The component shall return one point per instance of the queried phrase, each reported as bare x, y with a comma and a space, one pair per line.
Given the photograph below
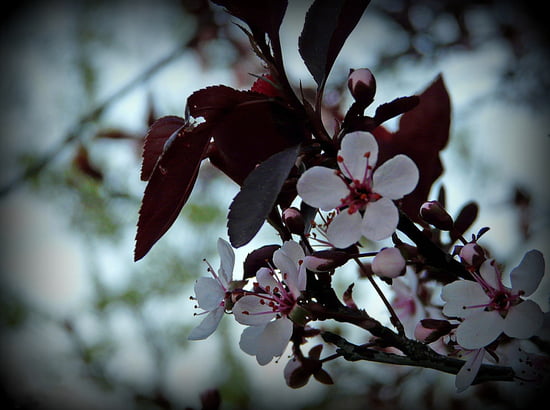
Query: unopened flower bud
434, 213
327, 260
472, 255
294, 221
388, 263
429, 330
362, 85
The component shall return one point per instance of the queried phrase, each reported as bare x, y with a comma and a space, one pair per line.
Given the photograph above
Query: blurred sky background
83, 326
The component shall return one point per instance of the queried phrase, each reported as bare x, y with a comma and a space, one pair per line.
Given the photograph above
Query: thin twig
394, 319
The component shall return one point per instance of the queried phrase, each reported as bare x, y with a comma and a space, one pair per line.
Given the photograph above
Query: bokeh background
83, 326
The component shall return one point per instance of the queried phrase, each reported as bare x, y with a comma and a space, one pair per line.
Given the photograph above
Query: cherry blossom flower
268, 311
211, 292
362, 195
489, 308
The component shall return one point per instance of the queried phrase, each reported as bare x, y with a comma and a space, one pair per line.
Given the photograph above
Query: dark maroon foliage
247, 127
423, 132
170, 184
261, 188
159, 133
328, 24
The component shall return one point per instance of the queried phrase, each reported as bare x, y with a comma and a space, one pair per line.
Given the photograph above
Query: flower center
276, 299
360, 190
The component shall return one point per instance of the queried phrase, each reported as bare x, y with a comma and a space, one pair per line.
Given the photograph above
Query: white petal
380, 220
285, 263
273, 340
396, 177
208, 325
468, 371
528, 274
345, 229
491, 274
301, 281
266, 279
523, 320
249, 311
353, 149
321, 188
460, 295
291, 249
249, 339
479, 330
227, 261
289, 259
209, 293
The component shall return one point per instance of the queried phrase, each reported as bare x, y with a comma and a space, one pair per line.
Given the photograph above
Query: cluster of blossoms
478, 313
268, 309
331, 195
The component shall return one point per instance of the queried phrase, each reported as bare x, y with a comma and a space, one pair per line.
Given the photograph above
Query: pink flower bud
362, 85
434, 213
389, 263
472, 255
294, 221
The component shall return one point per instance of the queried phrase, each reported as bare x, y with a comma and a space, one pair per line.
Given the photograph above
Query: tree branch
430, 359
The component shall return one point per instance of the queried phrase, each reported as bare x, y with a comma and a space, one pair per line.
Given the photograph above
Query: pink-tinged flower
268, 310
211, 292
362, 194
489, 308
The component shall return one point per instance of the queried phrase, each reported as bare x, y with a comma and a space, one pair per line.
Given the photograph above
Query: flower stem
394, 319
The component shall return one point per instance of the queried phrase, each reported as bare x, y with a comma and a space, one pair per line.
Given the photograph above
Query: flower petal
380, 220
396, 177
460, 296
266, 279
491, 274
249, 339
528, 274
249, 311
208, 325
288, 259
353, 149
523, 320
273, 340
468, 371
479, 330
321, 188
227, 262
209, 293
345, 229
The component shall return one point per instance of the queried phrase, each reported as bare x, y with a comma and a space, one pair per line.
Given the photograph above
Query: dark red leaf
254, 202
265, 19
464, 220
82, 162
160, 132
169, 187
258, 258
327, 26
394, 108
423, 133
247, 128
